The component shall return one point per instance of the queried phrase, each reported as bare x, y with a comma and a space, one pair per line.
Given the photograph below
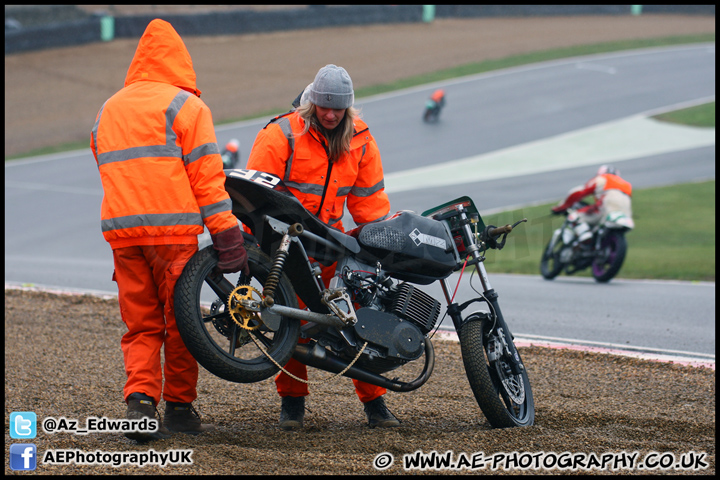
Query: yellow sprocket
237, 300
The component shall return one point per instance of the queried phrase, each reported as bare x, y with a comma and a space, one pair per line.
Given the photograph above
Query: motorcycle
231, 154
372, 319
432, 110
576, 246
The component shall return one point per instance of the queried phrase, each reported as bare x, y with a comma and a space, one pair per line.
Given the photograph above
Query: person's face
329, 118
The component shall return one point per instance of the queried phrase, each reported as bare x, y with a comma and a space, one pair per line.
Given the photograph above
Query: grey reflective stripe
151, 220
169, 149
95, 129
366, 192
310, 188
172, 112
212, 209
284, 124
333, 221
201, 151
140, 152
343, 191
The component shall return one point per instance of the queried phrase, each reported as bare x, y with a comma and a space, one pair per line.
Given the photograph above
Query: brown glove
232, 255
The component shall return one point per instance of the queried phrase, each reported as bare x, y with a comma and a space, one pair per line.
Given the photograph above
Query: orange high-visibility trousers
289, 387
146, 277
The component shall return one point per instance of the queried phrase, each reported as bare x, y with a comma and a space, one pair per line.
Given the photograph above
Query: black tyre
550, 264
610, 258
505, 399
428, 115
219, 343
431, 114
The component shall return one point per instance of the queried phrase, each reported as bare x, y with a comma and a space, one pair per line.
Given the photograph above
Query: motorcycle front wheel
216, 335
505, 399
610, 257
550, 264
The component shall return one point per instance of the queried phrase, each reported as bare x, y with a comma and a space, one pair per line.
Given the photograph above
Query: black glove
232, 255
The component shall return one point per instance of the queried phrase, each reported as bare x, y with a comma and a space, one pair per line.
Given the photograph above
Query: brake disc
512, 384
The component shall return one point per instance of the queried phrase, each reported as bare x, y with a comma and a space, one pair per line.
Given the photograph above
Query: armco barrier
240, 22
95, 29
52, 35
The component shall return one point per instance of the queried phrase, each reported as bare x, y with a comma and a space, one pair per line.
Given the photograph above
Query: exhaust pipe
318, 357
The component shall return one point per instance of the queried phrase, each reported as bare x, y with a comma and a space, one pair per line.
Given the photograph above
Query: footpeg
339, 302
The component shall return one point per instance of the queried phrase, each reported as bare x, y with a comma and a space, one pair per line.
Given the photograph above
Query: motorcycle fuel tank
409, 247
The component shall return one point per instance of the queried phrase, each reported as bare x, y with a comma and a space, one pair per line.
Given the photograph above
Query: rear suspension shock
273, 278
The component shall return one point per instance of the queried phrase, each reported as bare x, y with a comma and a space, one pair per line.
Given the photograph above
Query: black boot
292, 413
140, 405
378, 414
183, 418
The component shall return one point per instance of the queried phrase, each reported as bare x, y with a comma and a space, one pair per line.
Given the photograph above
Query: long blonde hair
338, 138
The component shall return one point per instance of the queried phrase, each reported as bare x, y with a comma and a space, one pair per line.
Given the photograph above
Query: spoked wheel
610, 257
505, 398
225, 337
550, 264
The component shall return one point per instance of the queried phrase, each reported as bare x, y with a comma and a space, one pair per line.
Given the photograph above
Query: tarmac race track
63, 356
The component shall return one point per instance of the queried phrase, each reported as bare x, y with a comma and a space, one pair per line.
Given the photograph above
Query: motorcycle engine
416, 306
393, 319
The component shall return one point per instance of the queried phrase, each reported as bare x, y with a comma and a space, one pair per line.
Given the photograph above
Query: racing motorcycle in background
230, 154
373, 318
433, 106
576, 246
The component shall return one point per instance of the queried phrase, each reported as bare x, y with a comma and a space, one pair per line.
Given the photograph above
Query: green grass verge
673, 239
463, 70
698, 116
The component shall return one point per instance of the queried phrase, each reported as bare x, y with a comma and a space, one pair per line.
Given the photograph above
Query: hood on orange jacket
161, 56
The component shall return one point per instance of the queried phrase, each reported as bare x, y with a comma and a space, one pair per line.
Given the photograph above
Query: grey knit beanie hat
332, 88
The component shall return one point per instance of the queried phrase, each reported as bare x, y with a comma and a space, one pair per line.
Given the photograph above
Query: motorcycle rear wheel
217, 342
491, 383
431, 114
550, 264
610, 258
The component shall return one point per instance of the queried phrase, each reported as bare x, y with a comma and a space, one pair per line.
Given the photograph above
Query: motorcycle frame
318, 357
315, 355
271, 231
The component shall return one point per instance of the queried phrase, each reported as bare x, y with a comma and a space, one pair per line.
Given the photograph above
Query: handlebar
489, 236
493, 231
496, 232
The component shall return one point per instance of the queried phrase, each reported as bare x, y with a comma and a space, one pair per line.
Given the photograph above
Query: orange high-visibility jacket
155, 146
323, 187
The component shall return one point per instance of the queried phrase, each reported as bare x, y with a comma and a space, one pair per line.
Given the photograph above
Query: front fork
499, 327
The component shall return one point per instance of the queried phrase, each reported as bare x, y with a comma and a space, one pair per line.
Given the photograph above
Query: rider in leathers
612, 194
326, 156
